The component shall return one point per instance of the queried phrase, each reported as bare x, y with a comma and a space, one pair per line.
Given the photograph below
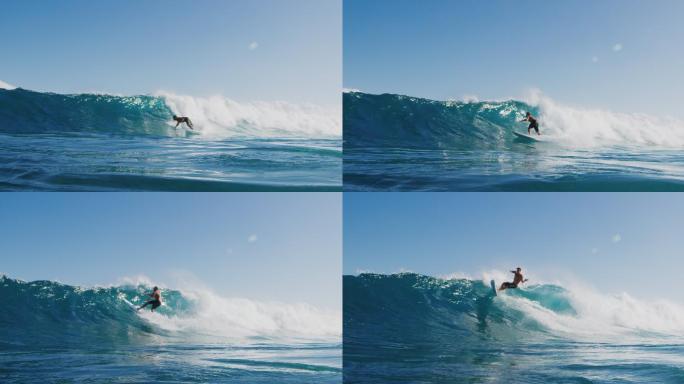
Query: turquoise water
414, 328
95, 335
399, 143
52, 142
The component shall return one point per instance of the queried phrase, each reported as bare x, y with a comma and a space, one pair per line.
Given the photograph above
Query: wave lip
389, 120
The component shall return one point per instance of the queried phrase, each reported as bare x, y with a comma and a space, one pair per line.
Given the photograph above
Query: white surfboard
131, 305
526, 137
493, 284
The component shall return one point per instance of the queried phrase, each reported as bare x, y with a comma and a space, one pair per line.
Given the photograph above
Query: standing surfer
517, 279
533, 123
156, 299
182, 119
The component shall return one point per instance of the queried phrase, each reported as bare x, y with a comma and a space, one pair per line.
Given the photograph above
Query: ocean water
401, 143
421, 329
50, 332
93, 142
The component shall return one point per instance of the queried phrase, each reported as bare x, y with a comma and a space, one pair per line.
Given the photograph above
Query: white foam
221, 117
607, 318
7, 86
583, 127
241, 319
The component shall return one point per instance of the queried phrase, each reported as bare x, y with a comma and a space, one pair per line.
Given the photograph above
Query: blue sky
243, 49
266, 246
616, 242
623, 55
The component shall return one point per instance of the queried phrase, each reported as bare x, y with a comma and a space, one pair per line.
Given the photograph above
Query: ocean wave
390, 120
412, 306
29, 112
47, 312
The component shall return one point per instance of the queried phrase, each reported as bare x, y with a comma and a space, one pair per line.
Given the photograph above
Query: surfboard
526, 137
493, 284
131, 305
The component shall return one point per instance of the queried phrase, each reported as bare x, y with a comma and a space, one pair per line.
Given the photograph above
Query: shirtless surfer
156, 299
182, 119
533, 123
517, 279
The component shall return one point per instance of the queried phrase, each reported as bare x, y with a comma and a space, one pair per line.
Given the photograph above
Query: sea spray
219, 116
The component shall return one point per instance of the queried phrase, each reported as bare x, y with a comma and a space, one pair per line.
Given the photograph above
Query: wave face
24, 111
50, 313
411, 306
389, 120
28, 112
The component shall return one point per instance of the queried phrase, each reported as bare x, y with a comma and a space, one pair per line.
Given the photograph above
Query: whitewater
395, 142
195, 336
419, 328
91, 142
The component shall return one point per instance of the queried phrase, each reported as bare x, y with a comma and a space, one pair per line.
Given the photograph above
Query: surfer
156, 299
517, 279
533, 123
182, 119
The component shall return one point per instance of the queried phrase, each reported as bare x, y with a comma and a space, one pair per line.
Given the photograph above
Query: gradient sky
266, 246
616, 242
190, 47
623, 55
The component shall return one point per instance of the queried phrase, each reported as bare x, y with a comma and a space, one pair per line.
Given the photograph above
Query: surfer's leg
155, 304
506, 285
146, 304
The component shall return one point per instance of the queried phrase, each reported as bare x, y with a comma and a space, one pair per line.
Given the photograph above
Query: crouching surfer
517, 279
156, 299
182, 119
533, 123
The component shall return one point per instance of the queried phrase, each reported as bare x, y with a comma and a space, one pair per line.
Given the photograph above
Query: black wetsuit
507, 285
533, 124
185, 120
155, 303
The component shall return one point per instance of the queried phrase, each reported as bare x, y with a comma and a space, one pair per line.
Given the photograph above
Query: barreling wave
390, 120
50, 313
29, 112
411, 306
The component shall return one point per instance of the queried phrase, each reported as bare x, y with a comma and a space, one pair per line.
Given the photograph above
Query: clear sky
244, 49
623, 55
616, 242
266, 246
